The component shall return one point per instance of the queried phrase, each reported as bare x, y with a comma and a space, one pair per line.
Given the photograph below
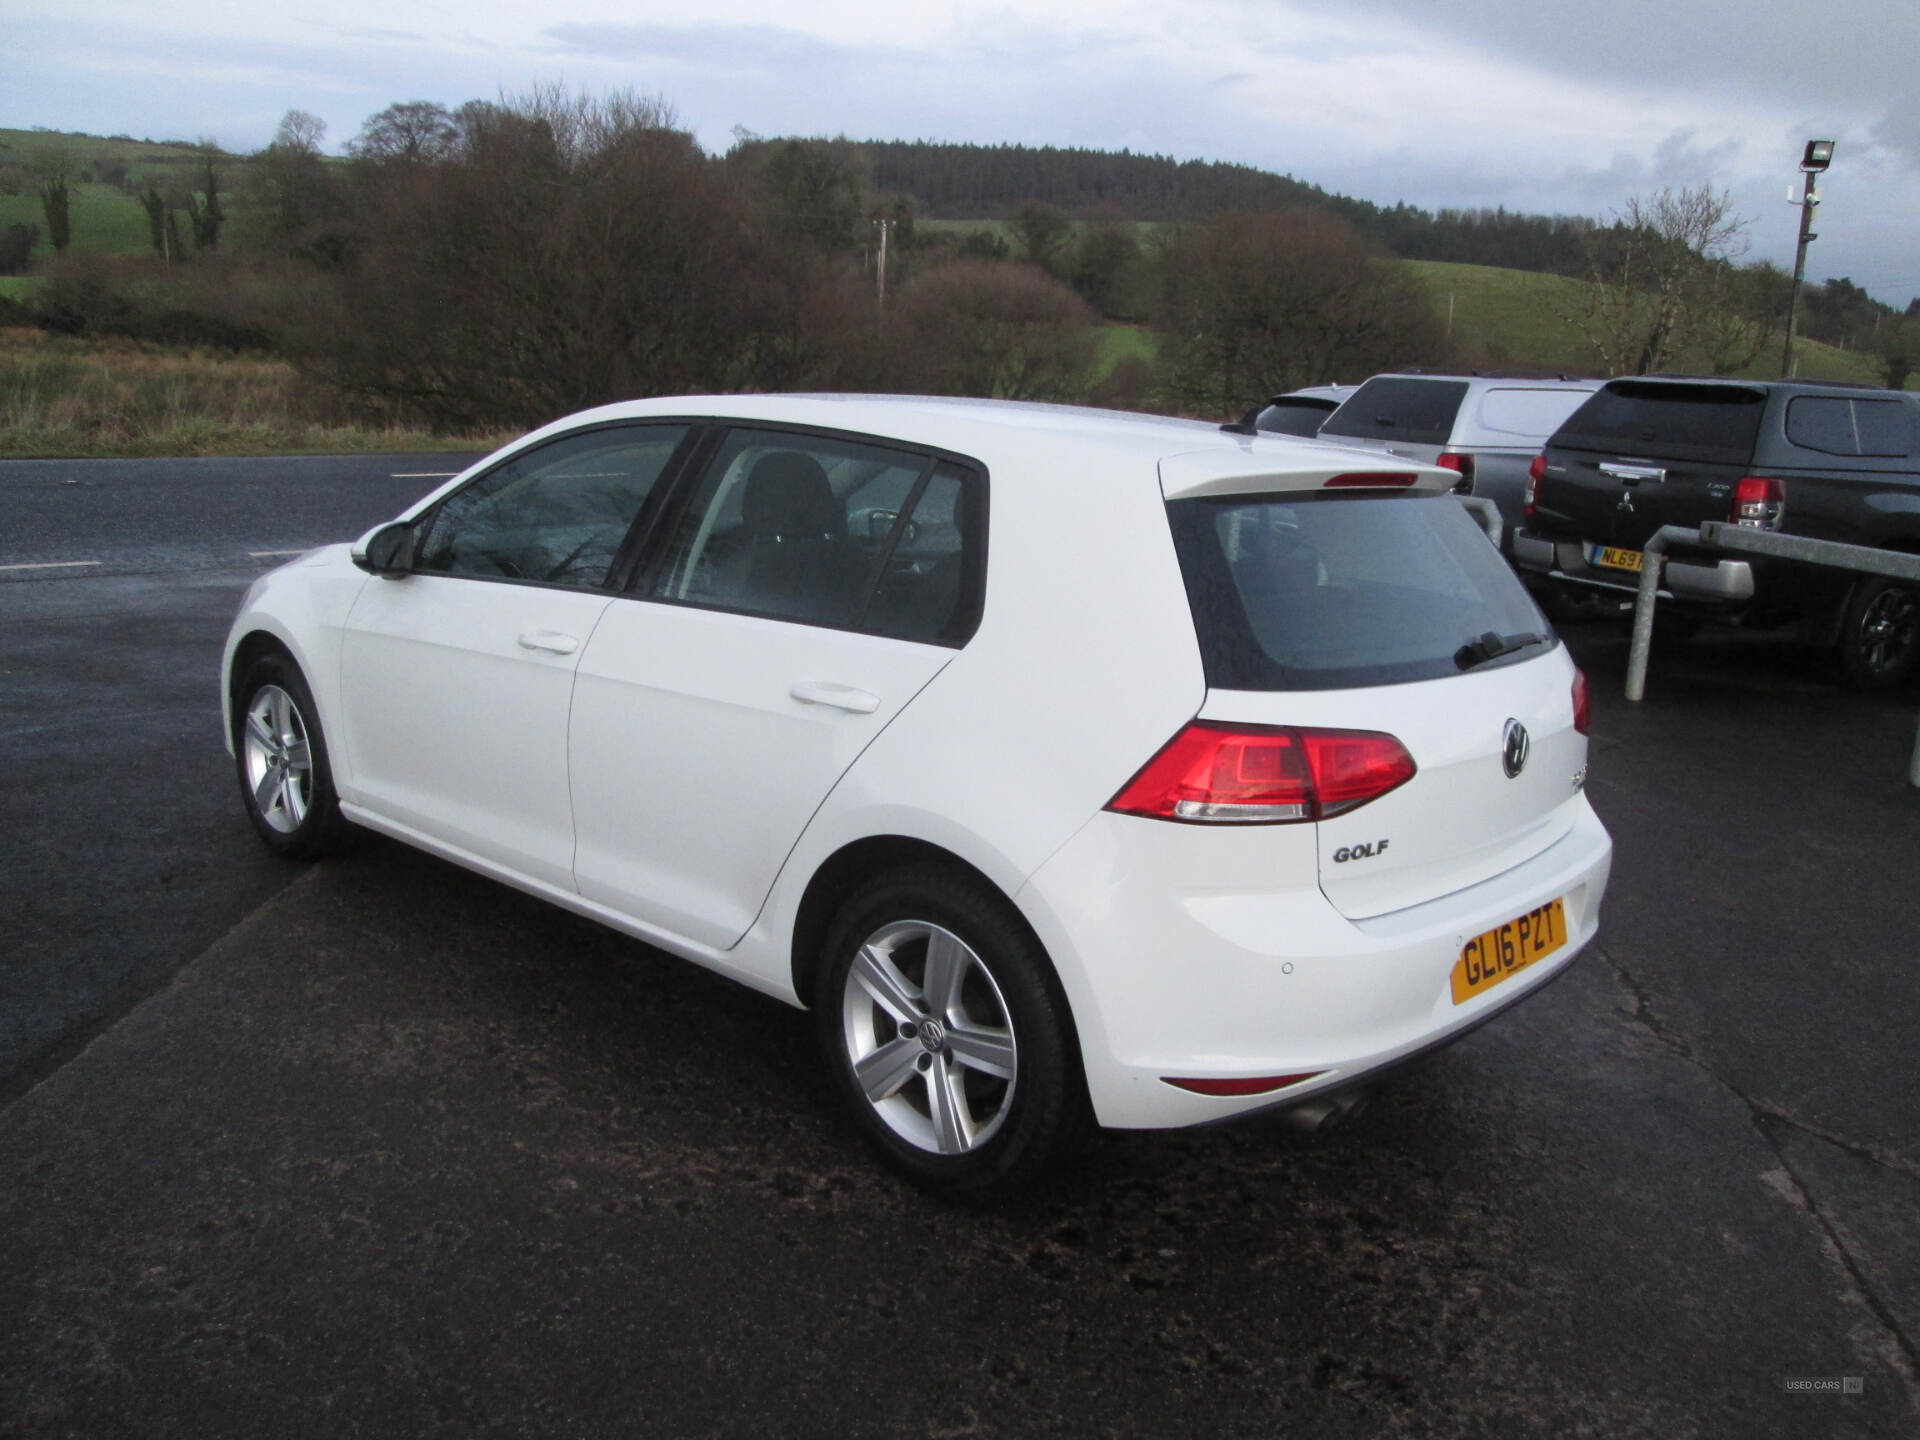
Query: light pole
1818, 156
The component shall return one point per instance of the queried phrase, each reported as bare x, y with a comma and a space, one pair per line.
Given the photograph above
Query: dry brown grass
63, 397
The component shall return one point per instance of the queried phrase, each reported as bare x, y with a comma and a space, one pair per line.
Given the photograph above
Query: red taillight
1582, 706
1534, 473
1264, 774
1461, 465
1384, 480
1759, 501
1247, 1085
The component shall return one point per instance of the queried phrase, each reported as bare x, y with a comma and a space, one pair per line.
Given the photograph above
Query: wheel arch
852, 865
241, 656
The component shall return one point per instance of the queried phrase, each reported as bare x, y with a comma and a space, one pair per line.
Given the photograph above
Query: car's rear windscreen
1391, 408
1328, 591
1714, 424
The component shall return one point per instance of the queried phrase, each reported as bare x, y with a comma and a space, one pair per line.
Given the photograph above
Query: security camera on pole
1818, 156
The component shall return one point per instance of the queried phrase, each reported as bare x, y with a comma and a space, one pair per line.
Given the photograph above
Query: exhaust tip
1325, 1113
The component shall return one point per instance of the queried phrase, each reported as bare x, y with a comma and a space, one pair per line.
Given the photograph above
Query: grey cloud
1844, 62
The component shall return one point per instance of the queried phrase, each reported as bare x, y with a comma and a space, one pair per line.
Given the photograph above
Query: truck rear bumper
1723, 582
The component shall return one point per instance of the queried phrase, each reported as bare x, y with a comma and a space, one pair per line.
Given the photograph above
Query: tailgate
1645, 453
1462, 818
1623, 499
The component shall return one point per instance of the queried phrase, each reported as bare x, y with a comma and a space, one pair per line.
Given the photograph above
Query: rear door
809, 588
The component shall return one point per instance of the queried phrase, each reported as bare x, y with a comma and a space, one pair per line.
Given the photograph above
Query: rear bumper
1715, 582
1179, 961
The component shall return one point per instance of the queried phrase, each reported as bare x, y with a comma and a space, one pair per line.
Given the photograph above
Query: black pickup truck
1833, 462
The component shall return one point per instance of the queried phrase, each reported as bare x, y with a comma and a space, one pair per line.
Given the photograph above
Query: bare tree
988, 328
409, 132
300, 131
1659, 274
1257, 302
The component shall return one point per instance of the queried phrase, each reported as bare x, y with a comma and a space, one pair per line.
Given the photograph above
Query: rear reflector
1361, 480
1247, 1085
1212, 773
1582, 705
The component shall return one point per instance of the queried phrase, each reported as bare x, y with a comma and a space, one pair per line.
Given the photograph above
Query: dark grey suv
1834, 462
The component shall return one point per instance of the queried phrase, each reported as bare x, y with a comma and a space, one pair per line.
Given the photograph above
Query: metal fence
1747, 540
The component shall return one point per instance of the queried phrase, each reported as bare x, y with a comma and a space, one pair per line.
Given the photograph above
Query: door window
826, 532
554, 515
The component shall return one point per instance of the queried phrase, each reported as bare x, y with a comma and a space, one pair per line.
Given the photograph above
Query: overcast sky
1538, 105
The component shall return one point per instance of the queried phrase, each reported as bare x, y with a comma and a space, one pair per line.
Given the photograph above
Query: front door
456, 680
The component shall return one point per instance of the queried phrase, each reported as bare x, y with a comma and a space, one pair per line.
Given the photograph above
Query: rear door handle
1633, 474
551, 640
840, 697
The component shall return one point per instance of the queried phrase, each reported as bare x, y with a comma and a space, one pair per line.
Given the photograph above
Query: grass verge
76, 399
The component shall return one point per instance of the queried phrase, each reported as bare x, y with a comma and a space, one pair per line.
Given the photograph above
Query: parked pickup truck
1834, 462
1486, 429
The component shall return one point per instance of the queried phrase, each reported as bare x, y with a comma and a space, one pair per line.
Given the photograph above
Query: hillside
1512, 319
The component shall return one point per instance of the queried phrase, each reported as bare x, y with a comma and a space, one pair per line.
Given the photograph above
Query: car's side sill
727, 963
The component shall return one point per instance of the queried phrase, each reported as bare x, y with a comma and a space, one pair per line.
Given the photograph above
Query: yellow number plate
1488, 959
1619, 559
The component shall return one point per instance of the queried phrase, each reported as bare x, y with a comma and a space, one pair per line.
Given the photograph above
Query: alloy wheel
279, 761
1888, 629
929, 1037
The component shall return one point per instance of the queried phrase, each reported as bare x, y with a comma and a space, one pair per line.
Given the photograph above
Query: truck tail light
1461, 465
1582, 704
1263, 774
1759, 501
1534, 471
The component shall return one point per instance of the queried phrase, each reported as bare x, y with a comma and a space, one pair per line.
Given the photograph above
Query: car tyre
280, 757
948, 1037
1879, 634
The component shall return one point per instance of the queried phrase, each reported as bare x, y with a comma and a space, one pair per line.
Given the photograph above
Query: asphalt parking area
408, 1153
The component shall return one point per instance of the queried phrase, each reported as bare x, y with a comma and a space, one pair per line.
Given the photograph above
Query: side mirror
387, 551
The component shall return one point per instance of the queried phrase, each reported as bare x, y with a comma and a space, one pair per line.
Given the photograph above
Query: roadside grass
19, 287
73, 399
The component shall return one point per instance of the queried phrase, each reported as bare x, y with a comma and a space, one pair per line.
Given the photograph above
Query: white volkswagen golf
1074, 768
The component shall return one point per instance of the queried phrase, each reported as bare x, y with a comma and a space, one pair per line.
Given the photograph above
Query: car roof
994, 431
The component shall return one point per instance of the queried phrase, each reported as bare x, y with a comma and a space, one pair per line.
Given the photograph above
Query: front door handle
551, 640
841, 697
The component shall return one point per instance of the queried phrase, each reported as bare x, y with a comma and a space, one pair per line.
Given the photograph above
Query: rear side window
1326, 592
1394, 408
1840, 425
1528, 414
1293, 417
1715, 424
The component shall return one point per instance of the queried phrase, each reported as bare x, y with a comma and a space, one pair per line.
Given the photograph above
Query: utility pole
884, 226
1819, 155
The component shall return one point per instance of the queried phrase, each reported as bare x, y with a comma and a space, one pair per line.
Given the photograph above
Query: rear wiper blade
1492, 645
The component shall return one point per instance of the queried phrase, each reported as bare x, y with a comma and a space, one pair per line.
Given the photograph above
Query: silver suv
1487, 429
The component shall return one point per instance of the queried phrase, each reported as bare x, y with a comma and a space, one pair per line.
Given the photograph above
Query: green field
1501, 319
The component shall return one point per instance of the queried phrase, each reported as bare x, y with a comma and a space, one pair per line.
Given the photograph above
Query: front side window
1325, 592
825, 531
554, 515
